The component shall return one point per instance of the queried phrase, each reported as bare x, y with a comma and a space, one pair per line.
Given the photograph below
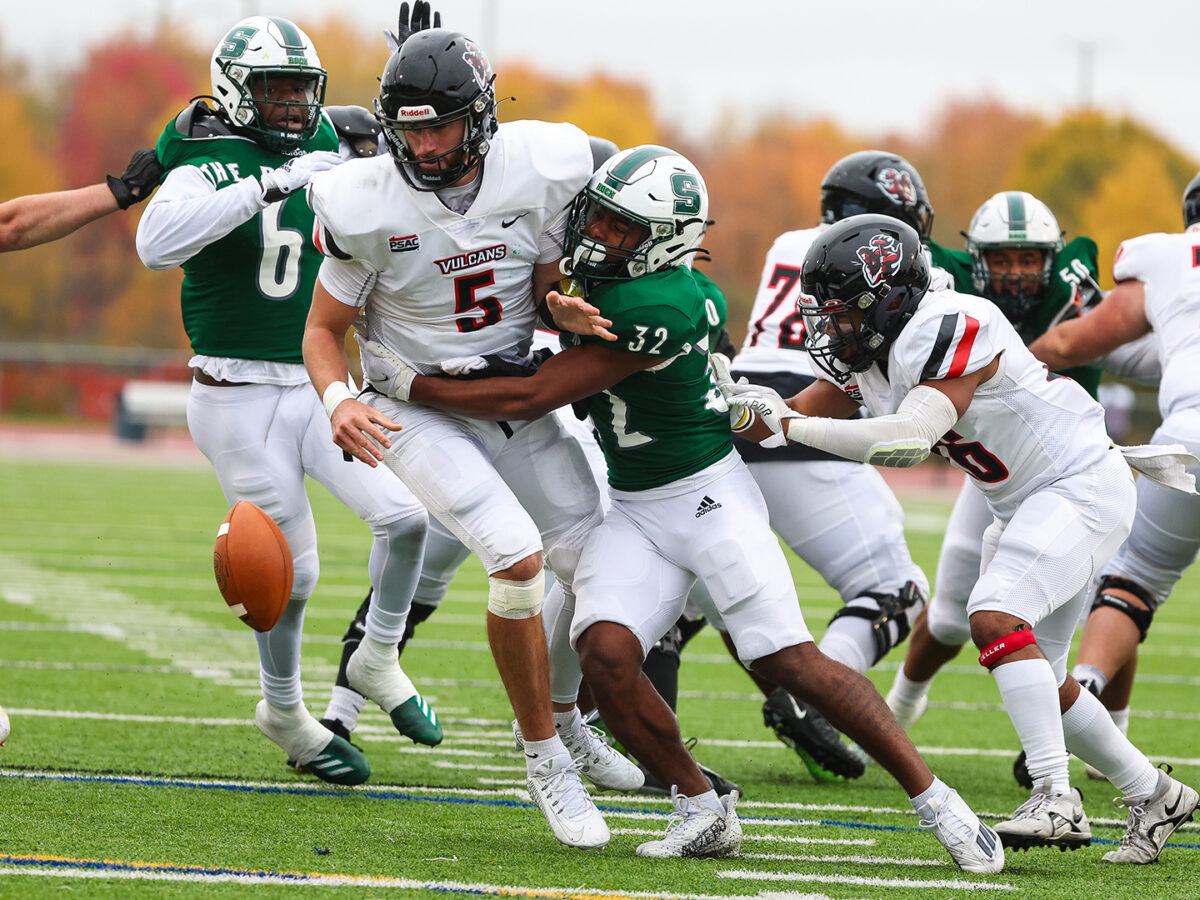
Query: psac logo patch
897, 186
474, 57
880, 258
404, 244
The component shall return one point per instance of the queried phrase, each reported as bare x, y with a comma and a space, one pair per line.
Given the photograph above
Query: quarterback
683, 506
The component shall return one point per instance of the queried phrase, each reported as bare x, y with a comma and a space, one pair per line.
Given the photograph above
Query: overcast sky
872, 67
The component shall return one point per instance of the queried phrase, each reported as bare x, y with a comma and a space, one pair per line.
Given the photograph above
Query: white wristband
335, 394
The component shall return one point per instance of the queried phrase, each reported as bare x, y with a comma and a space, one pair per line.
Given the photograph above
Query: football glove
295, 174
138, 180
386, 372
751, 402
419, 22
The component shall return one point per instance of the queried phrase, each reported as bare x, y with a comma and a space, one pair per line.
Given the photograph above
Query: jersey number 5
465, 301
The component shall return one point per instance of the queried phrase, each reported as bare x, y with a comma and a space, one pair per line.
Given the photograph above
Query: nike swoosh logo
800, 713
1171, 810
506, 223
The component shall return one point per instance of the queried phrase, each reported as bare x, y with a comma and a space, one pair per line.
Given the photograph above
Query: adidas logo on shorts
707, 505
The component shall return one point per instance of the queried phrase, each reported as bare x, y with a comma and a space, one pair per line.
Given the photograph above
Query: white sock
935, 791
281, 690
1030, 695
537, 752
378, 662
905, 690
1084, 672
569, 721
710, 801
1120, 718
1091, 735
345, 705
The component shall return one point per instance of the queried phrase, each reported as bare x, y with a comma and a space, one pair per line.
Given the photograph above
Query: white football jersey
438, 285
1024, 428
775, 334
1169, 267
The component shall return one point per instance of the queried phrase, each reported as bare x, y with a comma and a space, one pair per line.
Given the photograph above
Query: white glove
295, 174
722, 376
751, 402
386, 372
464, 365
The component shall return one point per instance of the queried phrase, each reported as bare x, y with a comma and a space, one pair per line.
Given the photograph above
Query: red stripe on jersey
962, 353
316, 238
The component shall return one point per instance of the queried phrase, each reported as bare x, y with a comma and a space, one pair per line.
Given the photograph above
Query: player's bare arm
572, 314
571, 375
357, 428
1118, 319
40, 218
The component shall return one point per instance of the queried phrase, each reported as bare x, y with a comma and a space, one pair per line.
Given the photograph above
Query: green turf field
134, 767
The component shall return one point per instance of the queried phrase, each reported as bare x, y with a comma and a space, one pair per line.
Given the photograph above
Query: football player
40, 218
839, 517
1016, 258
442, 249
938, 369
1157, 292
683, 505
232, 213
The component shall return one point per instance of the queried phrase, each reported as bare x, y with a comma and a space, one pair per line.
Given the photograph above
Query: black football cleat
817, 743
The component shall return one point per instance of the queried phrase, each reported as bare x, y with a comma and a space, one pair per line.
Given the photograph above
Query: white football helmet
1012, 219
649, 186
250, 53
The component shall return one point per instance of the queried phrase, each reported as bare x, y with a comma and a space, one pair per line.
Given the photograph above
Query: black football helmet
860, 283
875, 181
1191, 203
437, 76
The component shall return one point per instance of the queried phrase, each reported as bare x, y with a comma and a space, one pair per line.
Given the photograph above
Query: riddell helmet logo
897, 186
880, 258
475, 58
416, 112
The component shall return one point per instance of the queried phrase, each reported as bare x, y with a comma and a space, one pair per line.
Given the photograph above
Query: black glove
407, 25
140, 177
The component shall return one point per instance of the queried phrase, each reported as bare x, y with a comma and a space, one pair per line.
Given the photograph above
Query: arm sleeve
899, 440
1138, 360
187, 214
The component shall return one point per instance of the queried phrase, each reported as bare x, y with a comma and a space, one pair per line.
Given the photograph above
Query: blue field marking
304, 791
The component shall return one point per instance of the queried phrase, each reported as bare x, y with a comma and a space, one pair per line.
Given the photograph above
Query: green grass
120, 664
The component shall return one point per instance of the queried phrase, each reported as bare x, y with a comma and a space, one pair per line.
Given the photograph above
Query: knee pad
990, 656
1140, 617
516, 599
891, 615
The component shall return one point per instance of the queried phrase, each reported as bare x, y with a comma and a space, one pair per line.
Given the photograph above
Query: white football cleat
1153, 819
555, 786
972, 845
695, 831
1047, 819
596, 761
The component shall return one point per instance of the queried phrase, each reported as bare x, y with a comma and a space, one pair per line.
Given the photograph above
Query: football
253, 565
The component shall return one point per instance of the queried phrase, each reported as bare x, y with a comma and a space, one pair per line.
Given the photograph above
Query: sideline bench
143, 404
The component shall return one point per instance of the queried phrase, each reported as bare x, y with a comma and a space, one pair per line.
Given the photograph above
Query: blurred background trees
1104, 176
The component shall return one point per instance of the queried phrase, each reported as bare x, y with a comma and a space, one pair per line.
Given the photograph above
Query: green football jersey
662, 423
1074, 264
246, 296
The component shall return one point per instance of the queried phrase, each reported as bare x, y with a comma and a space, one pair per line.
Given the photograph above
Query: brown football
253, 565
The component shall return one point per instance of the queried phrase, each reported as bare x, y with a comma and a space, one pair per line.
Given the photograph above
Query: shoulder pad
602, 149
357, 127
199, 121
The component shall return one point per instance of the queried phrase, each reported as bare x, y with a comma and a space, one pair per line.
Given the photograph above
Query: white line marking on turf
864, 860
949, 884
786, 839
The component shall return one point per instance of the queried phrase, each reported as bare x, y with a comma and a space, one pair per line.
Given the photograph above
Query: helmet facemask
844, 337
649, 195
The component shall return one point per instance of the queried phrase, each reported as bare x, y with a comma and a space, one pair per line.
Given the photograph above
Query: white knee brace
516, 599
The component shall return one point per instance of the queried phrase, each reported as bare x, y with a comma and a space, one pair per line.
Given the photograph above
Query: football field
134, 768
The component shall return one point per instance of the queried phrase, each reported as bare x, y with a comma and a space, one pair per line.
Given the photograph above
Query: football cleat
555, 786
311, 748
695, 831
1047, 819
376, 674
972, 845
1153, 819
596, 761
1025, 780
655, 788
816, 742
